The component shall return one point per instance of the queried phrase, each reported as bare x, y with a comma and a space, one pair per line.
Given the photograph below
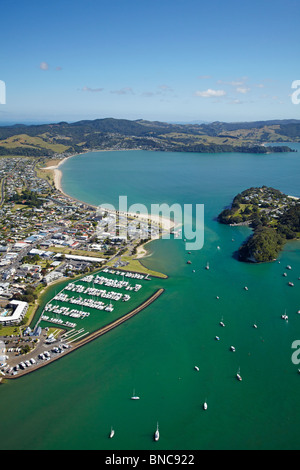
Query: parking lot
14, 363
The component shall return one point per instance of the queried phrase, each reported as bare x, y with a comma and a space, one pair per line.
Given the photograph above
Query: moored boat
156, 434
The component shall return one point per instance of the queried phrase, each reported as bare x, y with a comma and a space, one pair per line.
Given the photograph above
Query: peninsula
273, 216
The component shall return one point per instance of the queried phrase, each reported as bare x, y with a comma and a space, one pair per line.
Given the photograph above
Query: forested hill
109, 133
274, 217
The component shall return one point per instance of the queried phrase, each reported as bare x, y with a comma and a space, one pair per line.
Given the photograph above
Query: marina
92, 294
157, 352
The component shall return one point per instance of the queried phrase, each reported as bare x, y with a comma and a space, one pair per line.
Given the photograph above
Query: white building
14, 313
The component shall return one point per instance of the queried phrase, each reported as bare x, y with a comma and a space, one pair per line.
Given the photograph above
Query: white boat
207, 266
288, 267
222, 323
112, 433
134, 396
246, 288
232, 348
197, 368
156, 434
238, 376
205, 406
255, 325
284, 317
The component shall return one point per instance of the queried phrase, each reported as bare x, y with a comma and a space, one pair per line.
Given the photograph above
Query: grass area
24, 140
66, 250
136, 266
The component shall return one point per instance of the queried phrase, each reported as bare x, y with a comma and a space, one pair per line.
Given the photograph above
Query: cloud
44, 66
242, 90
210, 93
58, 69
124, 91
92, 90
236, 102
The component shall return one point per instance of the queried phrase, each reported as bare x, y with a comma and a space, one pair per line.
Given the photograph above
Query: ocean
74, 402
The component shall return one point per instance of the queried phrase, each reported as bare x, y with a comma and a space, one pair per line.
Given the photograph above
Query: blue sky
167, 60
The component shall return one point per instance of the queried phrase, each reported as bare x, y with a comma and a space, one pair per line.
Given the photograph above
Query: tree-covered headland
273, 216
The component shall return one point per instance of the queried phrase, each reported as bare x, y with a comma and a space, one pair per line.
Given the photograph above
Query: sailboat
134, 397
112, 433
156, 434
207, 266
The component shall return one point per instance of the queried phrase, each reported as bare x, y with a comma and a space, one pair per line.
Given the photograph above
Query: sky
164, 60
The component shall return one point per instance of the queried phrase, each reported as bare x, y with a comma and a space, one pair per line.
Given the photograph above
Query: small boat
232, 348
238, 376
134, 396
205, 406
255, 325
291, 284
284, 274
246, 288
112, 433
189, 262
284, 316
156, 434
222, 323
289, 267
196, 368
217, 338
207, 266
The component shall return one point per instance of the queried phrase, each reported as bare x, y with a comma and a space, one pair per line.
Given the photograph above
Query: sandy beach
166, 224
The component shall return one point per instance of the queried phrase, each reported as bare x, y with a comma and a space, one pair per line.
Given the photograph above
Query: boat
112, 433
196, 368
156, 434
246, 288
205, 405
217, 338
222, 323
284, 316
255, 325
291, 284
134, 396
207, 266
232, 348
238, 376
289, 267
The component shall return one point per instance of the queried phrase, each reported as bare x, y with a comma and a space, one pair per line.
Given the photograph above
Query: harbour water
72, 403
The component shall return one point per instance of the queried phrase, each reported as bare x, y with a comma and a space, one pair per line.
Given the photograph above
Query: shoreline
167, 224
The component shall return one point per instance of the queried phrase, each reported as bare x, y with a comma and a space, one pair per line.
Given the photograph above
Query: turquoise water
73, 403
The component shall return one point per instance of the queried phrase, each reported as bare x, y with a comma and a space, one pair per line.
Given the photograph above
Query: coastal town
47, 237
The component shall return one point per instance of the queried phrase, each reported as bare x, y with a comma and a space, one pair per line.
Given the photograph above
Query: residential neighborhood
46, 236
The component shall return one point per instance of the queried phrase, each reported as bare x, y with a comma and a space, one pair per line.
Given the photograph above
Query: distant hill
110, 133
